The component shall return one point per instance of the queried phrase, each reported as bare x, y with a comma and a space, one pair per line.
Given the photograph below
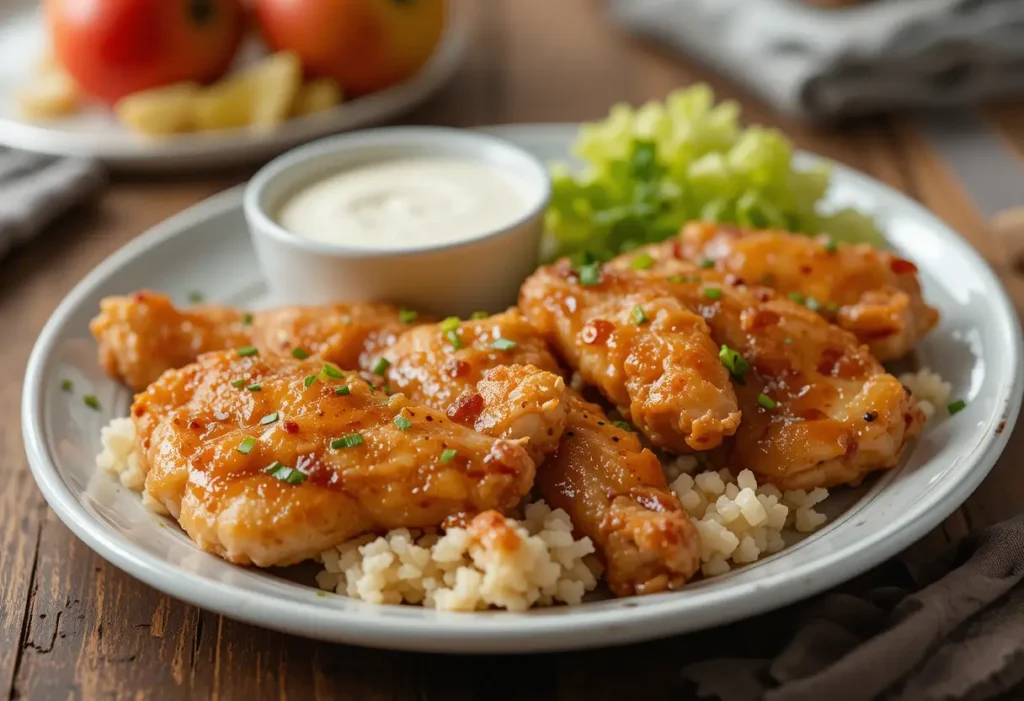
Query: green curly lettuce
647, 171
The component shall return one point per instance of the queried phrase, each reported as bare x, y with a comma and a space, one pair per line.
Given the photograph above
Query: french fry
315, 96
259, 96
160, 111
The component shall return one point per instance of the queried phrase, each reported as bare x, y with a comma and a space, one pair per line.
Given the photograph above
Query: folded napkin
947, 630
35, 190
876, 56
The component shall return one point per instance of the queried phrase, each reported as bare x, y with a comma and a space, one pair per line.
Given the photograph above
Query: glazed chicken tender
614, 493
647, 353
143, 334
313, 457
871, 293
818, 409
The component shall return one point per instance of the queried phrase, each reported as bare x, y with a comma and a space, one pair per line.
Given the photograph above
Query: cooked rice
494, 561
118, 456
930, 390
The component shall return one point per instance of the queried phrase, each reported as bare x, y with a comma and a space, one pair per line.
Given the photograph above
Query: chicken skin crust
644, 350
275, 475
143, 334
871, 293
614, 492
818, 409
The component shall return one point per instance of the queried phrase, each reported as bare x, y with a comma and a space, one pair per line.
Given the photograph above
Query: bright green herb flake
956, 407
589, 274
813, 304
247, 319
195, 297
285, 473
381, 366
310, 379
91, 402
255, 387
766, 401
830, 245
448, 455
246, 446
352, 440
332, 371
735, 363
342, 391
503, 344
300, 353
66, 385
248, 351
269, 419
479, 315
713, 292
238, 384
642, 262
707, 263
453, 338
638, 315
797, 297
623, 425
403, 423
450, 324
407, 316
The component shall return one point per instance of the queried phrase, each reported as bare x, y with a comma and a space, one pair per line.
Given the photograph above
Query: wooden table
72, 626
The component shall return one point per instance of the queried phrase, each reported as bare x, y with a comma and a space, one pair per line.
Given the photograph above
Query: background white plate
95, 132
977, 347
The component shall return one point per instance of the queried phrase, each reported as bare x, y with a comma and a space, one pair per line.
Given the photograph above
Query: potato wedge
51, 93
160, 111
259, 96
316, 95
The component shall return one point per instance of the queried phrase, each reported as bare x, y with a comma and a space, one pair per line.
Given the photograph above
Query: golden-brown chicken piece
143, 334
647, 353
615, 492
818, 409
871, 293
494, 374
269, 460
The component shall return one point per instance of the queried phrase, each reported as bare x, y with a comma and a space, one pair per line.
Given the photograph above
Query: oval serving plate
95, 133
207, 247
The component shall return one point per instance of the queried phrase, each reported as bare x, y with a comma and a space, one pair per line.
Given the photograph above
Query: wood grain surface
72, 626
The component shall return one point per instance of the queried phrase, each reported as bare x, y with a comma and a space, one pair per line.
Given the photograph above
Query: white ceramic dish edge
506, 632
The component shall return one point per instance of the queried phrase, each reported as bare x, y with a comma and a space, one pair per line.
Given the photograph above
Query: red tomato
113, 48
365, 45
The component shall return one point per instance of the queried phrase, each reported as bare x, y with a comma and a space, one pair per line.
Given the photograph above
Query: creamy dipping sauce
407, 203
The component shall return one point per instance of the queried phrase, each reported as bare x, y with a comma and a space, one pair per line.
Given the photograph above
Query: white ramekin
483, 273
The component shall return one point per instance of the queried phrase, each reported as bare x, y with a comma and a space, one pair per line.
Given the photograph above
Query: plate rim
502, 632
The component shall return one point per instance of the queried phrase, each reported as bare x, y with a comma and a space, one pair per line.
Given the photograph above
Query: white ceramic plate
95, 132
977, 347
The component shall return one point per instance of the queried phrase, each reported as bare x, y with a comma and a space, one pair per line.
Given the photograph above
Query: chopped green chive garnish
450, 324
247, 319
766, 401
300, 353
310, 379
350, 441
589, 274
448, 455
407, 316
623, 425
642, 262
479, 315
813, 304
831, 246
66, 385
387, 389
797, 297
638, 315
503, 344
246, 446
248, 351
735, 363
269, 419
332, 371
91, 401
239, 383
285, 473
403, 423
255, 387
707, 263
381, 366
956, 406
195, 297
713, 292
342, 391
453, 338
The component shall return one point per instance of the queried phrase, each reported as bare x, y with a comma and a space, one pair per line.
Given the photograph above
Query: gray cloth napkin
947, 630
35, 190
876, 56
